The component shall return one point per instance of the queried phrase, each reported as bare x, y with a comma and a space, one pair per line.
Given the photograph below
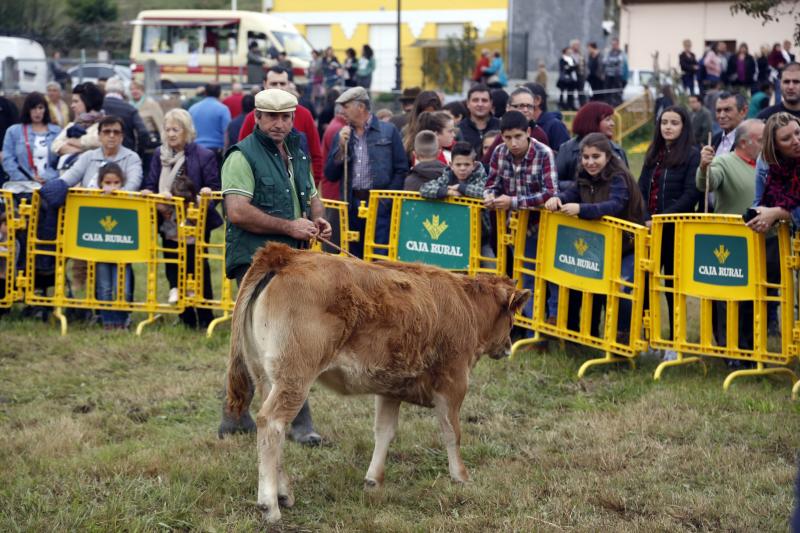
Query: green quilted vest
272, 194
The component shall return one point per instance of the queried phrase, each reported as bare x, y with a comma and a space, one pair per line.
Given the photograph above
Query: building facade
651, 26
353, 23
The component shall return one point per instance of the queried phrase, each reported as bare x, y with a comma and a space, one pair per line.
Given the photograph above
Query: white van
31, 63
196, 46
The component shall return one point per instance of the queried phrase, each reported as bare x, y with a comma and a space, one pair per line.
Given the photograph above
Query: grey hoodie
422, 173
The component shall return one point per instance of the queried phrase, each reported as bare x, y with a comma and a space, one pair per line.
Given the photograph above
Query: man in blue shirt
211, 118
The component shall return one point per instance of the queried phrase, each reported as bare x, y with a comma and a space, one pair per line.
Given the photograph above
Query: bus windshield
294, 44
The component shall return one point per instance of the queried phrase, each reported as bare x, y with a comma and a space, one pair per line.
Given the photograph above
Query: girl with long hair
668, 185
604, 187
425, 101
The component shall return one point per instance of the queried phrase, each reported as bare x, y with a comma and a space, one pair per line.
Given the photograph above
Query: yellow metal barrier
585, 258
446, 233
719, 259
120, 228
9, 224
336, 213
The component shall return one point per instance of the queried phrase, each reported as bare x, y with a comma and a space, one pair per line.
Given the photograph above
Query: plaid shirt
531, 183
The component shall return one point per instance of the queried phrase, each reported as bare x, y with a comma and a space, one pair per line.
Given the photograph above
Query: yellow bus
197, 46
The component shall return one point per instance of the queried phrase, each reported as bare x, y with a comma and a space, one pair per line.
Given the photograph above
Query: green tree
92, 11
770, 11
41, 20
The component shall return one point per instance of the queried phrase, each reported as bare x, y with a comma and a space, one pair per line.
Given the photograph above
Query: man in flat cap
269, 195
376, 159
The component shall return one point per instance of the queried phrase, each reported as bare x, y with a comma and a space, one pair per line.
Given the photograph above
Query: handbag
494, 78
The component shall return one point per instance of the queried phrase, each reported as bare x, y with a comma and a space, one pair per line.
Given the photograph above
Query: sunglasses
111, 132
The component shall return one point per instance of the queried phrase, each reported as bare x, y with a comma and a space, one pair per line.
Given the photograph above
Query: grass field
106, 431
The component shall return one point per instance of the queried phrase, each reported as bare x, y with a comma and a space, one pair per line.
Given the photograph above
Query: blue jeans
626, 273
531, 243
106, 289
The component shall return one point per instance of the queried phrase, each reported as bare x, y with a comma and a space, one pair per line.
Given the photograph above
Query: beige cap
275, 101
353, 94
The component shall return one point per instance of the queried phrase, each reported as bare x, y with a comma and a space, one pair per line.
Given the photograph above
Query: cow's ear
518, 299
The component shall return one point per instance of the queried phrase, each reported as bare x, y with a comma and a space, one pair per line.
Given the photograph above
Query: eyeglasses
521, 106
111, 132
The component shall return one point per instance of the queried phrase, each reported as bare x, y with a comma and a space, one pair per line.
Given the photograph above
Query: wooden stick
708, 177
346, 190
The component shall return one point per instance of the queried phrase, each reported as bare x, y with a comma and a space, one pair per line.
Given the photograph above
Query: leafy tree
770, 11
92, 11
41, 20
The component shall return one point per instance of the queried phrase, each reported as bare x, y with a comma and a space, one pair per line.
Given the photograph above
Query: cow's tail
266, 263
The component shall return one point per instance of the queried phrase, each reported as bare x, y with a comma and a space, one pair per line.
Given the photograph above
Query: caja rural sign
435, 233
717, 261
95, 231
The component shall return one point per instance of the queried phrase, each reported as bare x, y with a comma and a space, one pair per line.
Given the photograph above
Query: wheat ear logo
108, 223
722, 254
434, 227
581, 246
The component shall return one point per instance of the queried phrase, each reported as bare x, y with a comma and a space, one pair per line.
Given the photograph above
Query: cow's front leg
386, 415
280, 407
447, 408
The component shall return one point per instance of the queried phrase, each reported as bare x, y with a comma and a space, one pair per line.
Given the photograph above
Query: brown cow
402, 332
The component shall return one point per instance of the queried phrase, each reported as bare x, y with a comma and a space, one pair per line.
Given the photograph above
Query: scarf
783, 186
171, 165
655, 184
89, 118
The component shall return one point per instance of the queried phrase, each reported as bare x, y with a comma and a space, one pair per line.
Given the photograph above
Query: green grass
107, 431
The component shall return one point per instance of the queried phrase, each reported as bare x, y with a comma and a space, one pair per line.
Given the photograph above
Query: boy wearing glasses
85, 170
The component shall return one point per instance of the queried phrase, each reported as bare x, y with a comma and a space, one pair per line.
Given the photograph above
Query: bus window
181, 39
294, 44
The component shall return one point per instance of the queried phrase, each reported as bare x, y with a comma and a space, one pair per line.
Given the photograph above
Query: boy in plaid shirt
522, 175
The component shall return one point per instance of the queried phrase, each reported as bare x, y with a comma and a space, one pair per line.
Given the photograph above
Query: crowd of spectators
507, 149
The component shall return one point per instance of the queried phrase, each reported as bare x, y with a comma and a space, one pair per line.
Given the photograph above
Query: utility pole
398, 64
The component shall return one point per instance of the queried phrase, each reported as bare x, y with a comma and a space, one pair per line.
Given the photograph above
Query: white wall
646, 28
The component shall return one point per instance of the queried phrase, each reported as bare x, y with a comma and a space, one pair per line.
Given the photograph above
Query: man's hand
502, 202
706, 157
571, 209
344, 137
488, 199
323, 227
205, 191
553, 204
302, 229
452, 190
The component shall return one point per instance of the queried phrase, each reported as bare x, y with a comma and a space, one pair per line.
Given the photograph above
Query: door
383, 40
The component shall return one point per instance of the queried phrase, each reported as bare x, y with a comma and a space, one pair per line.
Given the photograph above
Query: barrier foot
61, 319
536, 339
213, 324
760, 370
607, 360
681, 360
150, 319
795, 390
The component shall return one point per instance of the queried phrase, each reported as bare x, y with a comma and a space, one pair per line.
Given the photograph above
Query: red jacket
330, 189
304, 122
234, 104
482, 63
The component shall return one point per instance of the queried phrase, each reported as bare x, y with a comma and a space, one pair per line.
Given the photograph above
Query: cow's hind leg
447, 407
386, 414
277, 411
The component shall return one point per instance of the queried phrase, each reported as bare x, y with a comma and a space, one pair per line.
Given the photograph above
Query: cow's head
509, 300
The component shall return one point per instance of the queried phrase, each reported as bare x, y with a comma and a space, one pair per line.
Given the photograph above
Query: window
182, 39
319, 36
294, 44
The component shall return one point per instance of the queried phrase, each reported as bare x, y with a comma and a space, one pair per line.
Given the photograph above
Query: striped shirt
362, 179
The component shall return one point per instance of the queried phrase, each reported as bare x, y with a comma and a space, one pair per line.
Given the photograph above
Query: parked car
94, 71
31, 67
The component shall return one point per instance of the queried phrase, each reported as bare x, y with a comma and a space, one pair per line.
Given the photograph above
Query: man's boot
243, 424
303, 428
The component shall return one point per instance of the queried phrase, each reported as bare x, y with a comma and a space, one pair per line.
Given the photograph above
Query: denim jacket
387, 158
15, 153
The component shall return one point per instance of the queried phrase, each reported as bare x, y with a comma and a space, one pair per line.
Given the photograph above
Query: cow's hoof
270, 515
371, 484
231, 426
286, 500
306, 438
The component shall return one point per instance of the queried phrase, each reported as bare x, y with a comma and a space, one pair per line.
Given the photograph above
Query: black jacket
716, 139
471, 134
137, 138
732, 73
678, 192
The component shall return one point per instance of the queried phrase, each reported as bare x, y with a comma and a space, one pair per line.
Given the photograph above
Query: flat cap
353, 94
275, 101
